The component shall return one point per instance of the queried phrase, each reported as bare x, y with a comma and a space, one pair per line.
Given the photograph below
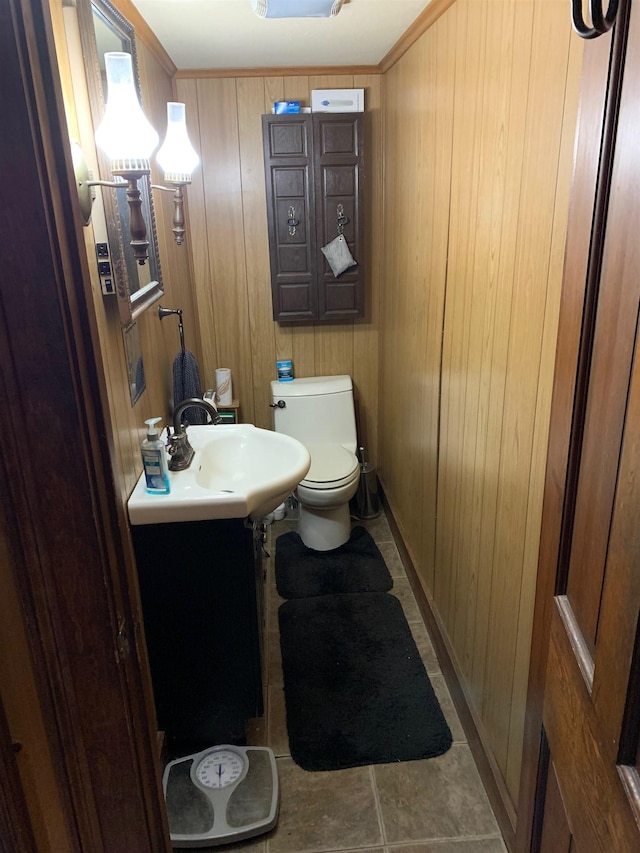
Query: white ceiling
227, 34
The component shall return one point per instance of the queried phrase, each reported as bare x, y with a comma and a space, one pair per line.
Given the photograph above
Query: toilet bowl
319, 412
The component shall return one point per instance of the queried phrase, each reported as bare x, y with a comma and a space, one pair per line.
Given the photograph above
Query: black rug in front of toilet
355, 687
356, 566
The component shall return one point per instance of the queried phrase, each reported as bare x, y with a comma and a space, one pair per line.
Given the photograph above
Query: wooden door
585, 682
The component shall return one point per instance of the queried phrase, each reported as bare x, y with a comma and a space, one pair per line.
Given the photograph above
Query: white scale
222, 794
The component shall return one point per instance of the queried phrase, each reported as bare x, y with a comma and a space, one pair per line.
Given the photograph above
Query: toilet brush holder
366, 503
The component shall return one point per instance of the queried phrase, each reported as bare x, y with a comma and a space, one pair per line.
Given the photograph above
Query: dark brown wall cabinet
314, 171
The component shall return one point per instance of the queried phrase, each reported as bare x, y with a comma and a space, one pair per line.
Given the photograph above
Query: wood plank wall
479, 123
160, 342
228, 240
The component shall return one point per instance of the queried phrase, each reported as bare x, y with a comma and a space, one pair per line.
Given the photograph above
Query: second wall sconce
128, 140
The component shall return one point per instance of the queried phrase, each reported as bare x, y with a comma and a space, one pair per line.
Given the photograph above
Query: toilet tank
317, 409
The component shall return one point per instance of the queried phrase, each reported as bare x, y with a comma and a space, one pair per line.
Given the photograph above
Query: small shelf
230, 412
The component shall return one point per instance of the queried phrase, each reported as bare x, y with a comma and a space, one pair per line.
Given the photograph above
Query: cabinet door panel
339, 165
314, 170
291, 216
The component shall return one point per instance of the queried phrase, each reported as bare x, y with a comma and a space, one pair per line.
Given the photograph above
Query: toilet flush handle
279, 405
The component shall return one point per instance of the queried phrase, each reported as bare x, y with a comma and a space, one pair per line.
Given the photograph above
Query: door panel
591, 705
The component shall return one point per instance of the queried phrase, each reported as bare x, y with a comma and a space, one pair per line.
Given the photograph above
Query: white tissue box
337, 100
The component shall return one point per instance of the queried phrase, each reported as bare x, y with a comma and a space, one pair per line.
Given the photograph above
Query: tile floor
436, 805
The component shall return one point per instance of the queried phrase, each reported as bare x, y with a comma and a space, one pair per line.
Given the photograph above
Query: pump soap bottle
154, 459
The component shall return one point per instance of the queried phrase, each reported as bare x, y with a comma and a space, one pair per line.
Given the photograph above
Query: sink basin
238, 470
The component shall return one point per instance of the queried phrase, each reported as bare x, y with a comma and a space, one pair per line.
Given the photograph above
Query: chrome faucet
180, 450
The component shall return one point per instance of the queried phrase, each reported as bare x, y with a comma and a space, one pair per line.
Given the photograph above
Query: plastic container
154, 461
285, 370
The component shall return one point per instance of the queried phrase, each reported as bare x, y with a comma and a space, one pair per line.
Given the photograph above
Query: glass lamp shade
124, 134
177, 156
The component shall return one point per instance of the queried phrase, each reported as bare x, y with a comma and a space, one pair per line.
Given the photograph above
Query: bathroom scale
224, 793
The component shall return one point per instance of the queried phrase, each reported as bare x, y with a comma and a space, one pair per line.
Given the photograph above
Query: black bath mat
356, 566
355, 687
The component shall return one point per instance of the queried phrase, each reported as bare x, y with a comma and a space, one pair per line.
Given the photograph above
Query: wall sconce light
178, 160
128, 140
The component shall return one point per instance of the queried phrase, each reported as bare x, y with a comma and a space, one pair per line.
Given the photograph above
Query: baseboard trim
496, 789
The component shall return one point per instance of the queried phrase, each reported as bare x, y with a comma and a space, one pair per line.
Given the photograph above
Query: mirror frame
130, 303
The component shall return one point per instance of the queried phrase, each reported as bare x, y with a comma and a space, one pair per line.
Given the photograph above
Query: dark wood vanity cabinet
314, 172
201, 586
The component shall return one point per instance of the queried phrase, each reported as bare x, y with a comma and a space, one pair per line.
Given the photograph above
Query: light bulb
177, 156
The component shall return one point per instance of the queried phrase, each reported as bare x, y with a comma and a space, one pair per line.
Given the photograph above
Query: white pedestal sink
238, 471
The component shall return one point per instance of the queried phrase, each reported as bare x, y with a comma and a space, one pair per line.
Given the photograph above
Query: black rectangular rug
356, 566
356, 689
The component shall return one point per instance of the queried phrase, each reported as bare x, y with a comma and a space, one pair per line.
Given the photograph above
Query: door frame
66, 533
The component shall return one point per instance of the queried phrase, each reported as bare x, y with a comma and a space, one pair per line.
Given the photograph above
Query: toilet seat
332, 466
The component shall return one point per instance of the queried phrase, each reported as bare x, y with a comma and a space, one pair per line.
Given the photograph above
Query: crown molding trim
145, 34
315, 71
425, 19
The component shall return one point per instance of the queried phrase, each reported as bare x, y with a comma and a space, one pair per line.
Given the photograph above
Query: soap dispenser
154, 459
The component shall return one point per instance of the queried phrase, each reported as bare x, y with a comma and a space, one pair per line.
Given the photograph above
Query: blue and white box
337, 101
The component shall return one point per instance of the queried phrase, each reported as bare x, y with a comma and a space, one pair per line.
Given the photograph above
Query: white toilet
319, 412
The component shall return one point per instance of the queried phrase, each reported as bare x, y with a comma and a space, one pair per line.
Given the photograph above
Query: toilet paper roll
224, 390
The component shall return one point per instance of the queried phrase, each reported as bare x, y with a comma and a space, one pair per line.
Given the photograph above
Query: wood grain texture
468, 325
228, 237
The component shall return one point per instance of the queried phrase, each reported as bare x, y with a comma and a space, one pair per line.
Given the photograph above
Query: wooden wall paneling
438, 59
472, 329
391, 288
402, 298
303, 350
493, 101
545, 105
507, 199
160, 341
197, 238
223, 204
543, 414
263, 351
333, 342
365, 338
464, 177
76, 99
508, 161
274, 90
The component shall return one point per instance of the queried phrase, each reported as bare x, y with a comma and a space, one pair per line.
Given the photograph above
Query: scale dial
220, 768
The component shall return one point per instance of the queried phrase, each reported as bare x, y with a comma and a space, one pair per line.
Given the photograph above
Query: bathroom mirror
103, 29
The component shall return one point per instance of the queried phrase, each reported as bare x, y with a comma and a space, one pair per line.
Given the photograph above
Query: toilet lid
329, 463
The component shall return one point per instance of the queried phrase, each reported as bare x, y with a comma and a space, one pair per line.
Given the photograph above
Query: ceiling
213, 34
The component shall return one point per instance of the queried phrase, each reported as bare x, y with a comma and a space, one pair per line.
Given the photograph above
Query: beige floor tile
436, 799
254, 845
448, 708
391, 557
274, 658
403, 592
277, 737
466, 845
378, 528
425, 647
324, 811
